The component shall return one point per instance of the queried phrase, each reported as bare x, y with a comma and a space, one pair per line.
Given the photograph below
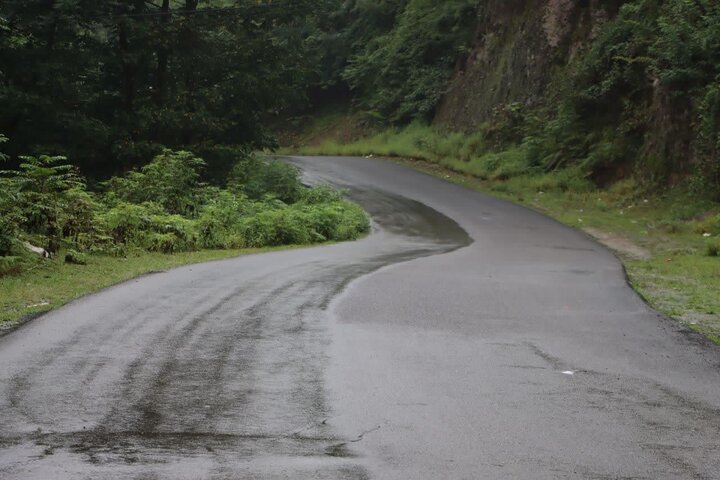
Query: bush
646, 94
171, 179
11, 265
51, 196
156, 210
709, 225
10, 217
127, 222
712, 249
275, 227
146, 226
76, 258
337, 221
503, 165
304, 223
321, 194
218, 223
277, 179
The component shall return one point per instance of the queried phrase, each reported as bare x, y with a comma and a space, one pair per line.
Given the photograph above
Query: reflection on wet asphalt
203, 372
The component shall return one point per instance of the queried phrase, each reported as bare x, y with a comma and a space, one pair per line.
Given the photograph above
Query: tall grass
463, 153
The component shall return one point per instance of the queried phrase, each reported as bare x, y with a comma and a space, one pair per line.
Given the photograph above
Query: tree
110, 84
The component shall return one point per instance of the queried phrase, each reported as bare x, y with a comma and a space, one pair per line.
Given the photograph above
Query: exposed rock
37, 250
557, 22
520, 47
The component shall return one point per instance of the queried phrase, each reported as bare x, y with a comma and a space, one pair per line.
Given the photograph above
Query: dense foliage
164, 207
402, 74
392, 58
641, 96
647, 89
109, 84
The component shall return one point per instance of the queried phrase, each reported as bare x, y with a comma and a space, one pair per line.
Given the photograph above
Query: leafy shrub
339, 221
146, 226
277, 179
321, 194
51, 196
302, 224
127, 222
172, 233
10, 265
79, 214
75, 257
171, 179
503, 165
712, 249
46, 201
709, 225
10, 217
168, 242
217, 225
274, 227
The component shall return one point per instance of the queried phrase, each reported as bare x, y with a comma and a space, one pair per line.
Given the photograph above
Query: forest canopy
109, 84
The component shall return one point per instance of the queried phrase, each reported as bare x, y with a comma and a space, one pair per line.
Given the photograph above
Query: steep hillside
615, 88
519, 47
610, 89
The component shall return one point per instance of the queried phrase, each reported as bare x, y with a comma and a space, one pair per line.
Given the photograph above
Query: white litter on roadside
568, 372
41, 304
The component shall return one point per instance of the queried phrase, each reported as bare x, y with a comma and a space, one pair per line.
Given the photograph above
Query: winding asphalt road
465, 338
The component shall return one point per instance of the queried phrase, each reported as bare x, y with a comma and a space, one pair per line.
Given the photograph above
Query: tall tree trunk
52, 28
128, 72
188, 42
129, 66
163, 54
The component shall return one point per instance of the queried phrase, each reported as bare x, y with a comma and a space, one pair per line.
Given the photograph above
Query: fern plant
43, 189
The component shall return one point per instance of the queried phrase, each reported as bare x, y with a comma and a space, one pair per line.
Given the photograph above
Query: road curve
465, 338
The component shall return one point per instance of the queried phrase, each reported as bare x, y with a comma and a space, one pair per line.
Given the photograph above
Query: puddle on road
403, 216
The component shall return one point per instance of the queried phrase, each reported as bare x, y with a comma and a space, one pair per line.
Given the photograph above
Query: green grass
52, 283
456, 151
684, 286
659, 237
410, 142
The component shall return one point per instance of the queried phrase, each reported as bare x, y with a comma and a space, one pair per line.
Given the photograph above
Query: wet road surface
466, 338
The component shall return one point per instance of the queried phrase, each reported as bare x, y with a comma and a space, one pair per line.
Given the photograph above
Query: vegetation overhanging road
509, 346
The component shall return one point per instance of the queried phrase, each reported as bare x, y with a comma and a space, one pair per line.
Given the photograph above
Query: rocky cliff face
520, 46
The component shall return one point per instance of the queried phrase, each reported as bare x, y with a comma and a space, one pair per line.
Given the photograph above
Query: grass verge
53, 283
664, 240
